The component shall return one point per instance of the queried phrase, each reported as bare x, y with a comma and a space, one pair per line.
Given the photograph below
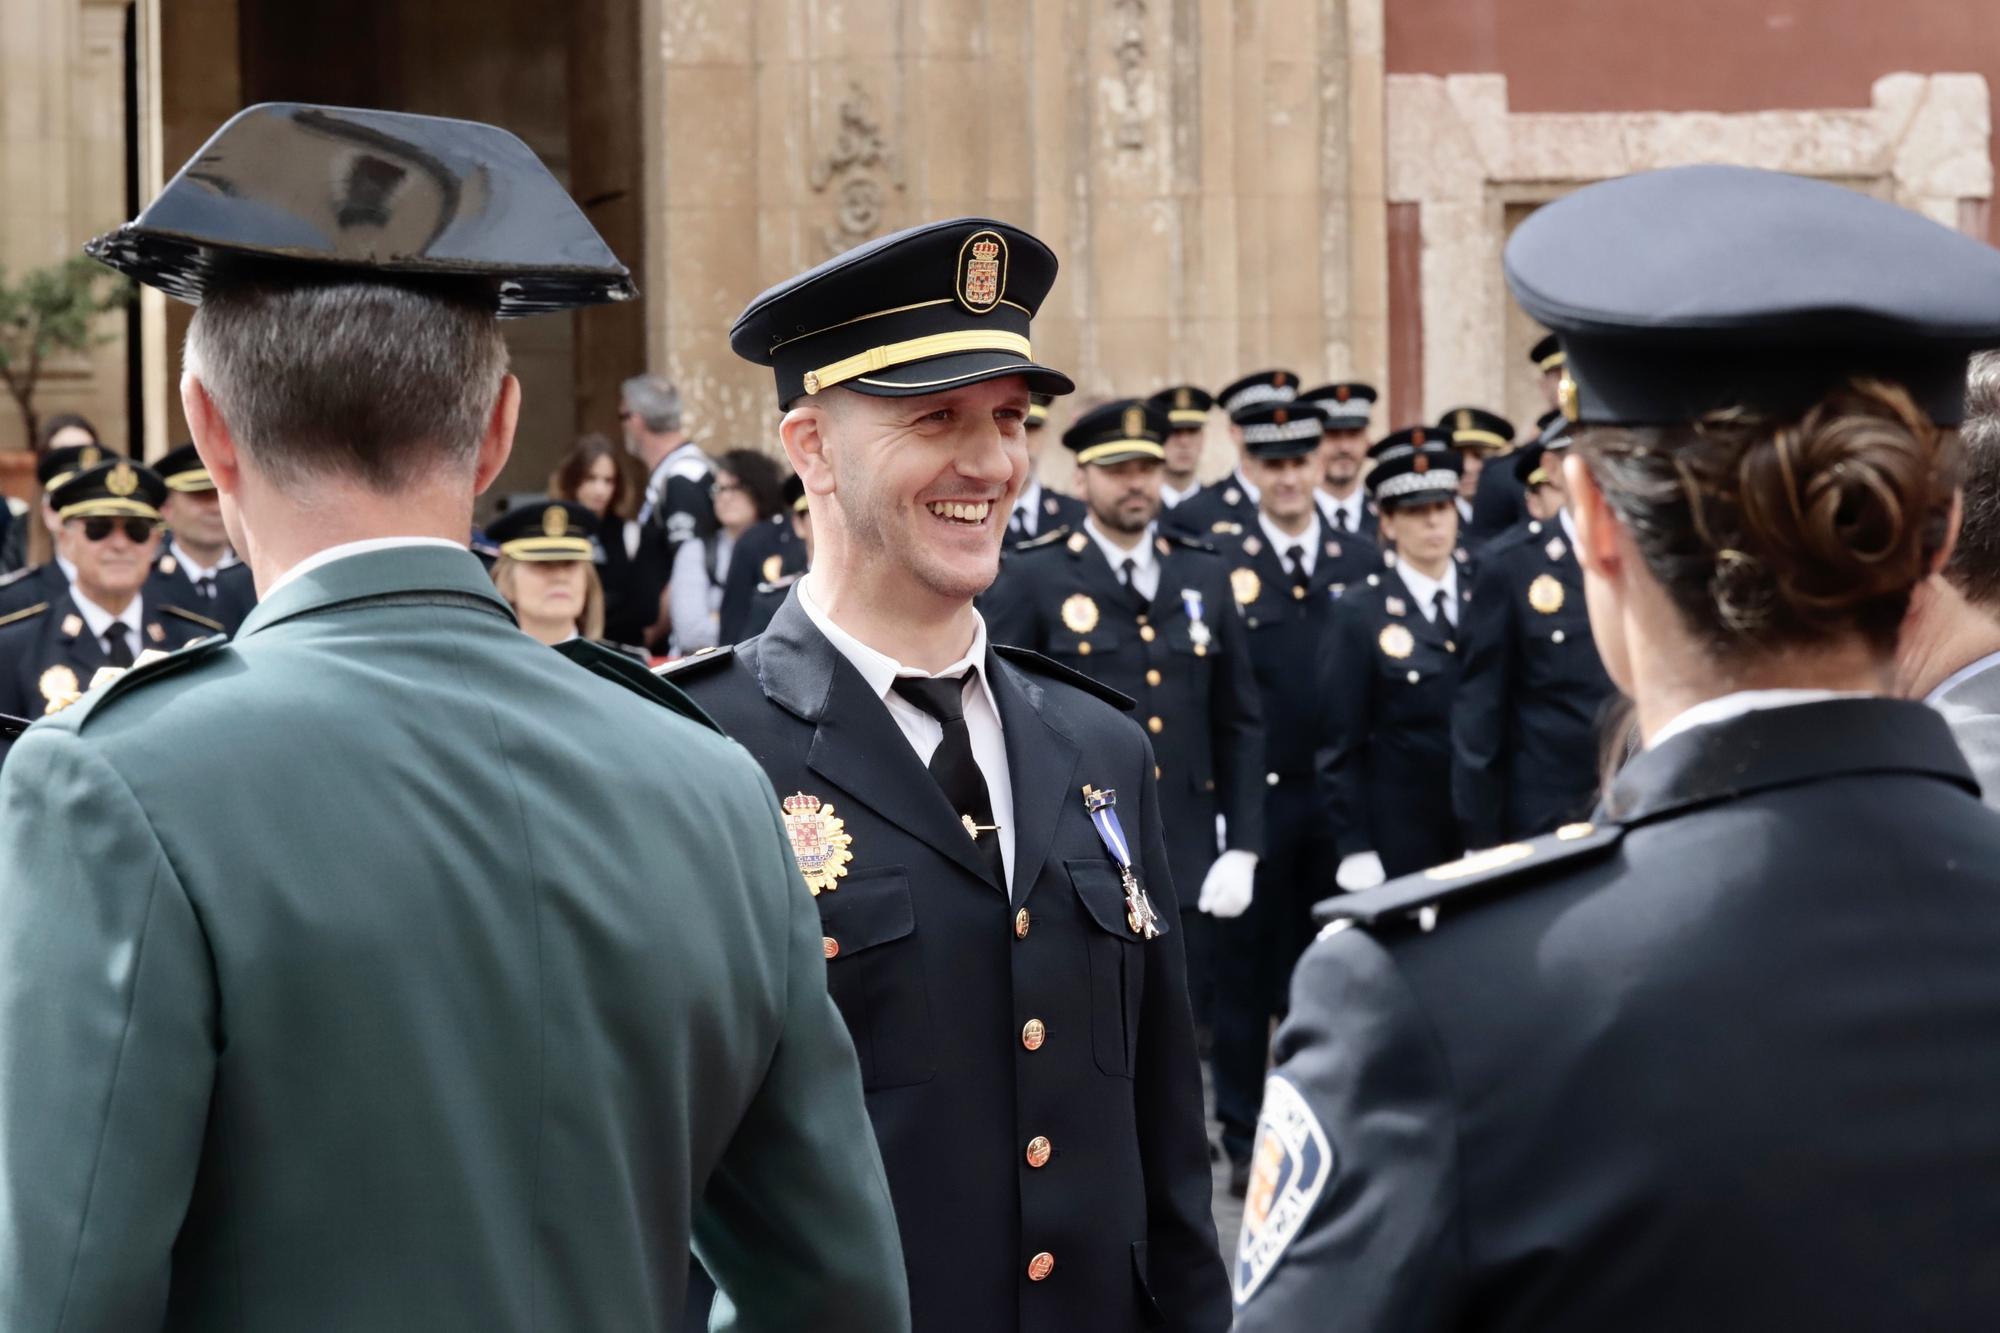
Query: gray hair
654, 400
381, 384
1974, 567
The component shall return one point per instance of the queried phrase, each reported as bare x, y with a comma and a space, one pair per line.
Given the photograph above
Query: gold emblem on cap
1397, 641
1079, 613
820, 841
555, 521
1464, 418
1182, 399
1566, 398
1135, 422
122, 480
773, 566
1246, 585
59, 688
1545, 594
982, 271
89, 458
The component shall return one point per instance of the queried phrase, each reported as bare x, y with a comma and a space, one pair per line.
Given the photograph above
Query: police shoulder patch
1289, 1169
1511, 866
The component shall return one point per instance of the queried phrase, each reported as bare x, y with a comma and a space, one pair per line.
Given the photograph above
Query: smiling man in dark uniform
981, 825
1151, 616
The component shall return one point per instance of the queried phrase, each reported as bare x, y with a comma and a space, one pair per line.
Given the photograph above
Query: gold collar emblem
1397, 641
1246, 585
1545, 594
820, 841
1079, 613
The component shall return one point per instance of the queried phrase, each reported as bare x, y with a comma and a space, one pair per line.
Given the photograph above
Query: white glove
1226, 889
1362, 870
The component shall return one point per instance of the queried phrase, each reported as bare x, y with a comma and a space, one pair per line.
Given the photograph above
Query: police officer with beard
1151, 616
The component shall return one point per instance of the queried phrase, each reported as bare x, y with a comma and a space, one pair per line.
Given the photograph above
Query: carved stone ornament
861, 168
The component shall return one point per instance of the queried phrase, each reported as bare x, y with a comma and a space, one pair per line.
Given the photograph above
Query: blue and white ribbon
1139, 912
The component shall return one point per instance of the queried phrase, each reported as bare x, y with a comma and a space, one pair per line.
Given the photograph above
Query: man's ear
1596, 526
212, 438
805, 433
496, 444
1951, 532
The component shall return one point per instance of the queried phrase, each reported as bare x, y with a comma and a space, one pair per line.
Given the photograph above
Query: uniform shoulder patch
152, 669
1506, 868
1036, 664
1041, 539
1289, 1169
694, 664
624, 670
25, 613
202, 621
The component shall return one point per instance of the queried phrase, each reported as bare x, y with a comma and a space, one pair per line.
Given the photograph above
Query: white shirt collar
881, 670
364, 547
68, 568
99, 620
1569, 526
1425, 588
1029, 502
1244, 484
1281, 541
1355, 506
195, 570
1143, 556
1960, 676
1170, 496
1727, 706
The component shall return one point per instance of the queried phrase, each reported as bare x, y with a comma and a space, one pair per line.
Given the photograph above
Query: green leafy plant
49, 311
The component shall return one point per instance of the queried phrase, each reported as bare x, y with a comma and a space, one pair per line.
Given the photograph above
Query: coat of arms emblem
820, 841
982, 271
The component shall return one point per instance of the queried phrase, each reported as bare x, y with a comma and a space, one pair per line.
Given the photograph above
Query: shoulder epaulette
9, 580
11, 727
202, 621
1048, 666
1042, 539
1191, 543
694, 662
154, 667
612, 665
1511, 866
25, 613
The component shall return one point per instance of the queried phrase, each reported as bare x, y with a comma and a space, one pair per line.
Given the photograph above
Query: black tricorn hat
287, 191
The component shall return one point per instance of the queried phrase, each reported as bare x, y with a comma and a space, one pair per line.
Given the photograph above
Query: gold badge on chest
1246, 585
774, 565
820, 841
1396, 641
1079, 613
1545, 594
59, 688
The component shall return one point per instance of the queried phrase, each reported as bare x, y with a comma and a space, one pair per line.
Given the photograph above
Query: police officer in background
50, 579
1549, 360
1286, 572
1725, 1061
1489, 497
771, 593
1343, 500
982, 825
1187, 410
1525, 730
196, 568
1387, 673
1038, 510
1151, 616
1228, 508
51, 650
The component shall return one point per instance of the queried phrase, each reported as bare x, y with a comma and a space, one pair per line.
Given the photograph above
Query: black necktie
117, 647
1296, 557
952, 765
1339, 519
1128, 574
1017, 523
206, 587
1439, 602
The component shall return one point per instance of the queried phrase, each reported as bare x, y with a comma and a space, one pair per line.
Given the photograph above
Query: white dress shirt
1145, 559
194, 569
365, 546
1724, 707
1171, 496
1354, 506
1282, 542
98, 620
1425, 590
924, 732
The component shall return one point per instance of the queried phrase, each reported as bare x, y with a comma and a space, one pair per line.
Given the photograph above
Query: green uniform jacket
384, 970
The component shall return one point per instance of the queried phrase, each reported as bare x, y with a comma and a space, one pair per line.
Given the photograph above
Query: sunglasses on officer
100, 527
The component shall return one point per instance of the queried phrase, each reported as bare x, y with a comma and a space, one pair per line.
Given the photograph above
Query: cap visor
941, 374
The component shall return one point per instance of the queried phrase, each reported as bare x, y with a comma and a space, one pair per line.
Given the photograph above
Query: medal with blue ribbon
1139, 913
1198, 632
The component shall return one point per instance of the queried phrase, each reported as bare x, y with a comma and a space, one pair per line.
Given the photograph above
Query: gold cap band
1485, 437
916, 349
195, 480
1141, 448
547, 548
1187, 416
108, 508
1554, 361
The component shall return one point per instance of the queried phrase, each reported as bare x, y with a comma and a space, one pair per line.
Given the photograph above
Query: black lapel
1041, 760
857, 746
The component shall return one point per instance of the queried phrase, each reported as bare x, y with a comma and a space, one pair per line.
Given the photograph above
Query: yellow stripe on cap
547, 548
916, 349
1187, 416
1485, 437
108, 508
194, 479
1553, 361
1144, 448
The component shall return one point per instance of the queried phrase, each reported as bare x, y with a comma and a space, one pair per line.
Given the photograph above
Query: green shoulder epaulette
613, 665
153, 668
25, 613
1048, 666
202, 621
1041, 539
699, 660
1514, 865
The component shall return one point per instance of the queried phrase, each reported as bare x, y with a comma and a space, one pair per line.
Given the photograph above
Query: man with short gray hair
679, 472
1951, 635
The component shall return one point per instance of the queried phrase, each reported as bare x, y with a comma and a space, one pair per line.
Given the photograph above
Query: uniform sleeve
1352, 1218
694, 625
1183, 1267
107, 1046
1346, 679
1009, 608
1479, 715
796, 1226
1236, 713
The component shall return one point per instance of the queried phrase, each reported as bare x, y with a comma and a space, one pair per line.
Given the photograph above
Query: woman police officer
1722, 1058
